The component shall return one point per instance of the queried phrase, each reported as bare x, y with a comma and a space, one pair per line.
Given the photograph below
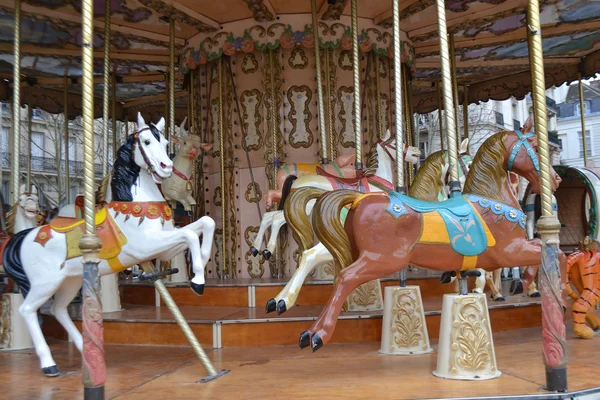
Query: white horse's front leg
278, 222
309, 260
479, 282
266, 221
205, 226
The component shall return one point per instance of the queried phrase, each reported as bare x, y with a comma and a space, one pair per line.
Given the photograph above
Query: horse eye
147, 142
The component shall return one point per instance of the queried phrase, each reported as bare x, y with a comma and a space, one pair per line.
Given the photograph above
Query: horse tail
285, 191
11, 261
296, 217
328, 226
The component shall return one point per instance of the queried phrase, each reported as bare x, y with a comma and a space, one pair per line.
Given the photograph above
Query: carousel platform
337, 371
231, 313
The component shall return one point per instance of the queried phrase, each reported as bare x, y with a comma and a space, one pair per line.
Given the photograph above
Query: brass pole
94, 364
398, 98
273, 117
106, 87
378, 97
29, 144
408, 123
466, 112
113, 114
66, 140
454, 85
16, 109
554, 347
171, 81
223, 172
440, 117
167, 108
356, 81
330, 103
448, 97
322, 131
582, 114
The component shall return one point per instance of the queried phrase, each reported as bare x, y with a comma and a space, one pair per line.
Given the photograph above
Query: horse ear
182, 127
34, 190
387, 135
141, 123
528, 125
345, 160
206, 146
161, 125
464, 146
22, 189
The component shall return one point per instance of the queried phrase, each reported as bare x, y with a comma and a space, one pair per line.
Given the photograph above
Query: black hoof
317, 343
516, 287
271, 306
253, 251
535, 294
196, 288
447, 276
266, 254
51, 371
304, 339
500, 299
281, 307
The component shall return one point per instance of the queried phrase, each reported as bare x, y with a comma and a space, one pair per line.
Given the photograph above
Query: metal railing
47, 165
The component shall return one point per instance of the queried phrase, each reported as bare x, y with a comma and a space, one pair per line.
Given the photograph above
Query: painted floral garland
210, 49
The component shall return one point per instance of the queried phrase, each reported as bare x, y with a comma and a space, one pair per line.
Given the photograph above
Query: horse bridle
523, 142
136, 138
462, 164
385, 144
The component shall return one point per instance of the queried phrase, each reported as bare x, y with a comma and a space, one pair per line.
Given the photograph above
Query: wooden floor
338, 371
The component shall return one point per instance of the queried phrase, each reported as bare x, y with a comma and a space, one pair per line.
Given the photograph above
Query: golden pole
582, 114
222, 150
29, 140
113, 114
356, 81
322, 131
273, 117
448, 97
378, 97
106, 87
66, 140
16, 109
171, 82
454, 85
408, 123
554, 348
466, 112
94, 364
330, 103
440, 117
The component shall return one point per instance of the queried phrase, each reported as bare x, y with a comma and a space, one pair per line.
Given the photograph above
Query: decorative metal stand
404, 329
14, 334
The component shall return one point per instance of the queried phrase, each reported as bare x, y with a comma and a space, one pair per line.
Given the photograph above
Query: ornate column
554, 348
225, 267
94, 365
106, 88
321, 111
356, 84
16, 108
171, 82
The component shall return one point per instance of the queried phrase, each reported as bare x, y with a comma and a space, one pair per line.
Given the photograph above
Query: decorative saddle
361, 183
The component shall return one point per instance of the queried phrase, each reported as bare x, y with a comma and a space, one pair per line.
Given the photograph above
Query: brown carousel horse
482, 228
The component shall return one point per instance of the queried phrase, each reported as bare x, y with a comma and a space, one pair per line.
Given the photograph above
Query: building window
516, 124
5, 139
5, 107
586, 109
424, 150
588, 138
499, 118
36, 113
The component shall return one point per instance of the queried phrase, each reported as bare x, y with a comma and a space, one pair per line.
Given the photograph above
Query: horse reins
136, 137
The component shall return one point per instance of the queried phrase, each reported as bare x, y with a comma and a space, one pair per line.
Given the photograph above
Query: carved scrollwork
260, 11
253, 193
407, 329
346, 101
345, 60
251, 103
298, 59
365, 296
299, 98
5, 318
249, 64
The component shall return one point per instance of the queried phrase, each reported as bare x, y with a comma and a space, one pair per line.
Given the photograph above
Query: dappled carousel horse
136, 226
481, 228
322, 178
431, 177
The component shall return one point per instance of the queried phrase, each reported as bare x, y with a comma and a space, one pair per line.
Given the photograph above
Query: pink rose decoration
191, 63
248, 46
229, 49
286, 41
366, 45
346, 43
390, 53
309, 41
202, 58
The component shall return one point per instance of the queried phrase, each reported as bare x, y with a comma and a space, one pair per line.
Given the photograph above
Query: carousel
262, 189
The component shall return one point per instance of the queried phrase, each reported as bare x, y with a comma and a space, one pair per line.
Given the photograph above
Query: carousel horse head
388, 144
24, 214
464, 165
144, 150
29, 202
189, 145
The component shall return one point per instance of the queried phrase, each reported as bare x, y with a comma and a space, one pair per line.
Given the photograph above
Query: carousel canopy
489, 35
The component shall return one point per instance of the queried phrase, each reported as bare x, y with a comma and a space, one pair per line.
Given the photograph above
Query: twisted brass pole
398, 98
16, 109
222, 160
356, 82
454, 85
330, 103
408, 123
273, 117
113, 114
322, 131
378, 98
171, 81
440, 117
582, 114
448, 97
66, 139
106, 87
466, 112
29, 140
554, 347
94, 364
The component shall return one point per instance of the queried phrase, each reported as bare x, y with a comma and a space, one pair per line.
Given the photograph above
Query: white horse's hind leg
309, 260
37, 296
62, 298
278, 222
266, 221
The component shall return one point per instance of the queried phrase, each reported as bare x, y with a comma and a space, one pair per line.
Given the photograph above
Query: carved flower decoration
309, 41
248, 45
365, 43
497, 207
512, 213
137, 209
168, 212
43, 235
229, 49
286, 41
124, 207
202, 59
153, 211
346, 42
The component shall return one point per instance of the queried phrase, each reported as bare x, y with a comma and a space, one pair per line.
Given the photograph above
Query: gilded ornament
152, 211
298, 59
407, 328
249, 64
299, 98
253, 193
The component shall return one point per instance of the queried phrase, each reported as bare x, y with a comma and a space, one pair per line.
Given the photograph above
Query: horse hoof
447, 277
535, 294
500, 299
317, 343
281, 307
196, 288
271, 306
253, 251
51, 371
516, 287
304, 339
266, 254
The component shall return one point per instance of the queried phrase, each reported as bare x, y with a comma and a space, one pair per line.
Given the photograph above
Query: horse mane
487, 175
372, 161
125, 172
427, 183
101, 193
10, 219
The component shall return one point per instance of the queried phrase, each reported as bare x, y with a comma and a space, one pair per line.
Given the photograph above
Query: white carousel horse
24, 214
178, 187
312, 257
276, 219
136, 227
